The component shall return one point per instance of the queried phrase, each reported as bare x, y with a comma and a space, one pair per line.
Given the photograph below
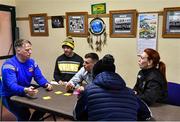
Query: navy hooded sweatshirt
107, 98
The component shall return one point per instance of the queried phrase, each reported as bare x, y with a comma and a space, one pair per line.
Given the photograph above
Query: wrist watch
26, 90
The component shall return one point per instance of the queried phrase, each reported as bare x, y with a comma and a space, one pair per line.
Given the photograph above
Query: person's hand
31, 91
48, 87
80, 89
63, 83
69, 86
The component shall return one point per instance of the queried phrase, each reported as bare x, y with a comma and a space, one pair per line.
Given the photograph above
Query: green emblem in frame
98, 8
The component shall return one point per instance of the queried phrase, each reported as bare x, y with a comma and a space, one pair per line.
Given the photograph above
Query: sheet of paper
58, 92
46, 98
67, 94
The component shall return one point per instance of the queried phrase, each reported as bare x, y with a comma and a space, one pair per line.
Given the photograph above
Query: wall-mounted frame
57, 21
99, 8
7, 31
38, 24
171, 23
77, 24
123, 23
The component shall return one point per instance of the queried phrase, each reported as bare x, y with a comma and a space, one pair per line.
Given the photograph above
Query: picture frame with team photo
38, 24
171, 22
123, 23
77, 24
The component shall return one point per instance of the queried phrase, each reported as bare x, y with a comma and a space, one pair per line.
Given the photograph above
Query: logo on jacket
31, 69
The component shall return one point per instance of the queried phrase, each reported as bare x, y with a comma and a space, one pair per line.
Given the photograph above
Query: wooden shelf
160, 13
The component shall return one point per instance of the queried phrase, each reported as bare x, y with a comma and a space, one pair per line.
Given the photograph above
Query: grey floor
160, 113
7, 116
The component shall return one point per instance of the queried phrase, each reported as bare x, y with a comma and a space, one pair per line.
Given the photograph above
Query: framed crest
99, 8
57, 21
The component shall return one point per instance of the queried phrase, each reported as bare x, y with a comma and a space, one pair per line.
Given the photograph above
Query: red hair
155, 57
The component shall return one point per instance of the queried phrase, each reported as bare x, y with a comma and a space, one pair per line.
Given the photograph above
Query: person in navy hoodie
108, 98
17, 74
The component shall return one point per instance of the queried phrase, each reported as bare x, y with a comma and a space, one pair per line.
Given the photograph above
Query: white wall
8, 2
46, 49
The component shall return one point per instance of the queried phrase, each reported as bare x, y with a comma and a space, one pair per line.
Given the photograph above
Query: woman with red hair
151, 85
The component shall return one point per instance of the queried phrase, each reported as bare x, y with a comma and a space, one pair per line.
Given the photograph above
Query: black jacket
151, 86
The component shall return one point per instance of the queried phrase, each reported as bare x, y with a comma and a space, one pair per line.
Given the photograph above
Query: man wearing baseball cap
67, 64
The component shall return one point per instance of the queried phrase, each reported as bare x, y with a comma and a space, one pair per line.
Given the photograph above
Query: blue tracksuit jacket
17, 75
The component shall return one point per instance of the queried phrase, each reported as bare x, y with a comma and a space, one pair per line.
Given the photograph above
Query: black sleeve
136, 86
56, 72
151, 92
80, 111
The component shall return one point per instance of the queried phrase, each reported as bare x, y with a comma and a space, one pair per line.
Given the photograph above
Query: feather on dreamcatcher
97, 31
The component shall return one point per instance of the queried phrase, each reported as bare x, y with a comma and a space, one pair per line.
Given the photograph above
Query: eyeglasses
140, 56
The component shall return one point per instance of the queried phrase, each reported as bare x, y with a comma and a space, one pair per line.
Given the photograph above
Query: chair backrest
173, 94
0, 85
1, 105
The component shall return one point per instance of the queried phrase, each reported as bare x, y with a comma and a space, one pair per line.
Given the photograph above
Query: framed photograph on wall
57, 21
38, 24
123, 23
77, 24
171, 23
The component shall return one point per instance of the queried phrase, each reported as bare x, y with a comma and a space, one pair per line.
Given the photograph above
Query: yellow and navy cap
68, 42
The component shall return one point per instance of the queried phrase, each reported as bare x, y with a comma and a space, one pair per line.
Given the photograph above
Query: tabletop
57, 101
165, 112
63, 104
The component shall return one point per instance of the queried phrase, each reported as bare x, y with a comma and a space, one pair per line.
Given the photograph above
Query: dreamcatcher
97, 31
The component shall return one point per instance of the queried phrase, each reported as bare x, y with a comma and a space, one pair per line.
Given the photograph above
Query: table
64, 105
165, 112
57, 105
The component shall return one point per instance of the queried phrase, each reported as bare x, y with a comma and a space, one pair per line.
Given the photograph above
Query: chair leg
54, 117
1, 114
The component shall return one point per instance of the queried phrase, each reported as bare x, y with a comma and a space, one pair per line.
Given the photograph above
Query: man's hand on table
31, 91
48, 87
63, 83
70, 86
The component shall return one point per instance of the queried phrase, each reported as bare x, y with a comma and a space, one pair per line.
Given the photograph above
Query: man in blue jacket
17, 74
